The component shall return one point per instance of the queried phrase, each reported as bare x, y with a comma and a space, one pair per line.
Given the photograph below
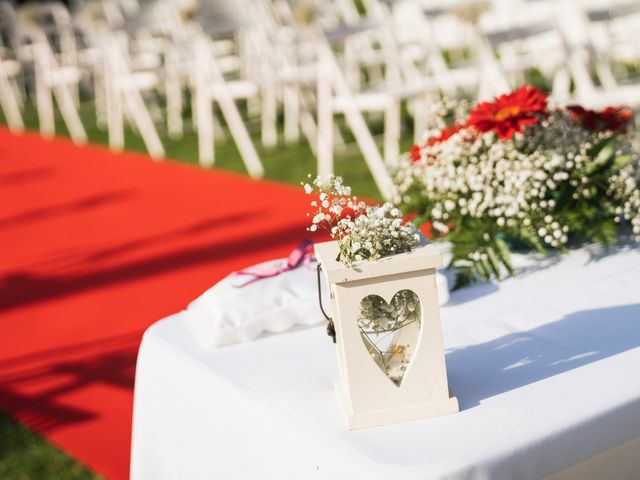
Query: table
546, 367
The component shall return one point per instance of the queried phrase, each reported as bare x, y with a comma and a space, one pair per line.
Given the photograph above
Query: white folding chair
55, 81
424, 33
591, 53
508, 54
9, 92
285, 64
124, 92
11, 98
211, 88
335, 96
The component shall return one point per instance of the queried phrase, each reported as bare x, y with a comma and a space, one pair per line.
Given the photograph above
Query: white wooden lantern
391, 367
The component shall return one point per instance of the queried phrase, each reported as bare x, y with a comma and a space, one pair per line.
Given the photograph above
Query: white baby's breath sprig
363, 232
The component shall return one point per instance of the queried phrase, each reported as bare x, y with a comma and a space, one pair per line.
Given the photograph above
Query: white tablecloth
546, 367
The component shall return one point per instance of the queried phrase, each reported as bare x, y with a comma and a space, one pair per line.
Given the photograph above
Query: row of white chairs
312, 60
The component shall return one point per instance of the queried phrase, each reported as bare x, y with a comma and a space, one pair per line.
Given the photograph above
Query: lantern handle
331, 330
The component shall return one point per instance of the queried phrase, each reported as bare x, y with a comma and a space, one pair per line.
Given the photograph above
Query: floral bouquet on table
516, 172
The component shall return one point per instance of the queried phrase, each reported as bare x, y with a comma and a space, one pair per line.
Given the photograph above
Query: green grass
289, 163
26, 456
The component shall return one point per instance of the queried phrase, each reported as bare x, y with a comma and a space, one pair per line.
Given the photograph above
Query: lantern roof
424, 256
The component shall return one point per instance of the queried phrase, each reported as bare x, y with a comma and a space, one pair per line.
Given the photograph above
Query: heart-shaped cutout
390, 331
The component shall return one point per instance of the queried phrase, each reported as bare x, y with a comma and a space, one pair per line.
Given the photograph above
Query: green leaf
603, 156
464, 278
484, 268
419, 221
505, 255
564, 197
621, 161
494, 263
529, 236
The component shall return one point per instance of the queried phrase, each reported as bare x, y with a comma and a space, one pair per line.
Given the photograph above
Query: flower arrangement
517, 172
363, 232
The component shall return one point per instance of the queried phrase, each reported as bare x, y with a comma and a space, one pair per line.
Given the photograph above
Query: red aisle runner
95, 247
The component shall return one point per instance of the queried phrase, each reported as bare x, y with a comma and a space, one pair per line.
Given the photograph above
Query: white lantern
389, 337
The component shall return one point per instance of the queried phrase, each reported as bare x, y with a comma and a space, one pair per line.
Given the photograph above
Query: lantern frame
369, 396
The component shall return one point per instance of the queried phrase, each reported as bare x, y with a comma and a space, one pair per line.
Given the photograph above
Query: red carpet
97, 246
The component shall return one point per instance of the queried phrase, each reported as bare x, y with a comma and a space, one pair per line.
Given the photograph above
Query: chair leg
173, 91
269, 118
419, 119
241, 136
100, 99
194, 109
291, 103
561, 85
67, 106
142, 119
205, 128
324, 147
18, 92
392, 132
10, 105
115, 116
367, 145
308, 126
44, 104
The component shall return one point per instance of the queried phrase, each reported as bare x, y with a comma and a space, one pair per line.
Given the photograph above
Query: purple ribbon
303, 253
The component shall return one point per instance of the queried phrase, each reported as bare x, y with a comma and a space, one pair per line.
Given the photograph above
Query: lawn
25, 455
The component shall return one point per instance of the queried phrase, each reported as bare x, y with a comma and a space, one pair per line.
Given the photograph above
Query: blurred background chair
341, 75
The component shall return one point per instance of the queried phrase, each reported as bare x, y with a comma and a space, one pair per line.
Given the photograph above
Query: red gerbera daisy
614, 119
509, 113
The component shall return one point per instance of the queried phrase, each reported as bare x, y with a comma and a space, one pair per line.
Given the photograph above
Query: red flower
509, 113
615, 119
347, 212
426, 229
446, 133
415, 153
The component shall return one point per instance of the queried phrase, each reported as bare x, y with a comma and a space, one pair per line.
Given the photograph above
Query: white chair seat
366, 101
138, 81
9, 68
229, 63
237, 89
63, 76
377, 100
461, 77
342, 32
146, 61
624, 95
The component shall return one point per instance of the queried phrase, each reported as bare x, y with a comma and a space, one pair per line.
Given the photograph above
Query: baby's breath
554, 181
363, 232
